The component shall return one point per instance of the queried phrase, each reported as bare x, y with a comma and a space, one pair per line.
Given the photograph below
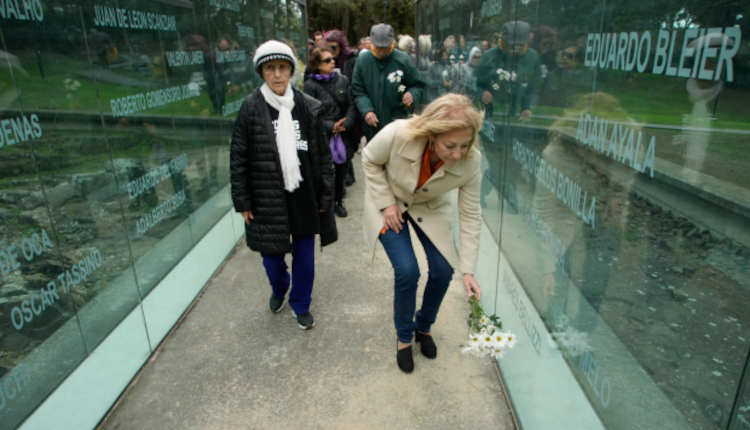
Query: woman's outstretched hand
472, 286
392, 218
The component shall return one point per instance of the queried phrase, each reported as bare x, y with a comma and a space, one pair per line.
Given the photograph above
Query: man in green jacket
385, 84
511, 71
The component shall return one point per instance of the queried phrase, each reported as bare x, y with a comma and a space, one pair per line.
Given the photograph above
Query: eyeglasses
327, 60
569, 55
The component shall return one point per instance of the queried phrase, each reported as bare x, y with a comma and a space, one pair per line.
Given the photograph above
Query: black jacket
257, 181
347, 67
340, 87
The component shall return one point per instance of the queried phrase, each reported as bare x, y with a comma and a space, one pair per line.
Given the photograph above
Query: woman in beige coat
410, 168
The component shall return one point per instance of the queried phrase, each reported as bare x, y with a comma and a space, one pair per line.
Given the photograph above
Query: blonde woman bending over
410, 167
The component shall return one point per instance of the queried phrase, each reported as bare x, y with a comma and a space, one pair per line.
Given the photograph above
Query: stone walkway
233, 364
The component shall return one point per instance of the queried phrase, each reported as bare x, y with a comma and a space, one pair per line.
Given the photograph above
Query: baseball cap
381, 35
516, 33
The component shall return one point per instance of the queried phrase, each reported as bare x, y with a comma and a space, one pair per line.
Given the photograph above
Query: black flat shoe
427, 345
405, 359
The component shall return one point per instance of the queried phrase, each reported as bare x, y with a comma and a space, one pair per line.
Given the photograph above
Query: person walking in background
521, 71
438, 75
332, 89
386, 84
213, 71
346, 59
282, 179
462, 75
544, 43
462, 48
318, 39
435, 151
344, 56
368, 44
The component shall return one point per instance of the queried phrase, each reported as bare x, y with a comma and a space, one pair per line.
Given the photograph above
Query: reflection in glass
619, 200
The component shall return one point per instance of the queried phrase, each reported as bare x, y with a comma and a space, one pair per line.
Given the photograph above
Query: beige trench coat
392, 166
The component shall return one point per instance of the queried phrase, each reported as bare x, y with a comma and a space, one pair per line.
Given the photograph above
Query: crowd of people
419, 112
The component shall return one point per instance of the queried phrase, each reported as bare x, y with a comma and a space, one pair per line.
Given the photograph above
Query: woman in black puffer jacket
333, 90
282, 179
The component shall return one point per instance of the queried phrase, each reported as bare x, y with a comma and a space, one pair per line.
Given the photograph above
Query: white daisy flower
484, 321
445, 74
475, 340
500, 339
514, 76
401, 88
487, 341
565, 339
470, 350
511, 339
398, 78
399, 73
495, 87
497, 352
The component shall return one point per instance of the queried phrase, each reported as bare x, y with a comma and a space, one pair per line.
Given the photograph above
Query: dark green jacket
528, 82
373, 92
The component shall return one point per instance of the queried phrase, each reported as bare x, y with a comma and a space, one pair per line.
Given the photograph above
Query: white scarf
285, 135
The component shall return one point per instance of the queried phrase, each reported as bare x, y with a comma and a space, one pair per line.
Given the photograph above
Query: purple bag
337, 149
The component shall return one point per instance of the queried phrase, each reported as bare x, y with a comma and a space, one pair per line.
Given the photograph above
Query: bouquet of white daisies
486, 335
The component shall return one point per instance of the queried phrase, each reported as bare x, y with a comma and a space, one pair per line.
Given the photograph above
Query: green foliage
475, 322
355, 18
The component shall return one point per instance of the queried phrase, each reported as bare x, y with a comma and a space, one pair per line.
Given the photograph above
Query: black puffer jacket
340, 87
347, 66
257, 181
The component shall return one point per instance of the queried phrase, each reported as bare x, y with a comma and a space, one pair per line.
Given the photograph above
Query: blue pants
303, 273
400, 252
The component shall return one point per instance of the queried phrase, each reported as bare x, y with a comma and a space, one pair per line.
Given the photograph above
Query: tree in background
355, 17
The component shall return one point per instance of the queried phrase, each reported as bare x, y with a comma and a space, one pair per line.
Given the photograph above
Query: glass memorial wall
115, 122
617, 188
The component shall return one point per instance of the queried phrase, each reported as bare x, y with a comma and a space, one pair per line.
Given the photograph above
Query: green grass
52, 94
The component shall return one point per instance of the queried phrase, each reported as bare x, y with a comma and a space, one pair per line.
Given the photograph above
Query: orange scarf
390, 50
505, 47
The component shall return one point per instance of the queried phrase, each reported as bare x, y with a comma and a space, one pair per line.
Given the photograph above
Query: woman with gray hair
282, 179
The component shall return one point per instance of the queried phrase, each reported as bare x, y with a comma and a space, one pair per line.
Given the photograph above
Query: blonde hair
447, 113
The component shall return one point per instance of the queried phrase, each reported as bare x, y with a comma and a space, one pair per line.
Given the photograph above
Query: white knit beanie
273, 50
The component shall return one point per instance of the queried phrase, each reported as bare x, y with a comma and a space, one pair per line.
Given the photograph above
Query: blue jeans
400, 252
303, 273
